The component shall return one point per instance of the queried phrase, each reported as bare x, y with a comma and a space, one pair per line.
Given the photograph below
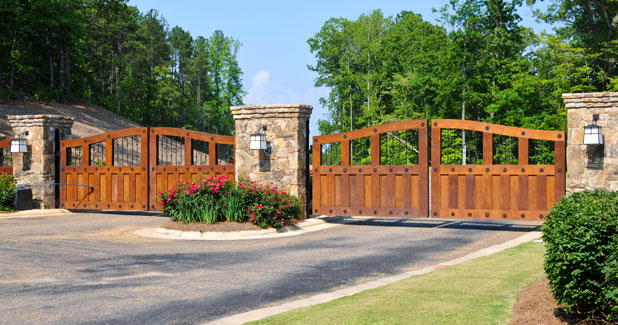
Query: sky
274, 54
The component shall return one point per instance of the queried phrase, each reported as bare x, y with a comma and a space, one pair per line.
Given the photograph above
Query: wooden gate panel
374, 189
164, 174
488, 191
116, 179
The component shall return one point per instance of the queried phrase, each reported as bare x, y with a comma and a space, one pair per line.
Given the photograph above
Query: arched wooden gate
494, 182
124, 169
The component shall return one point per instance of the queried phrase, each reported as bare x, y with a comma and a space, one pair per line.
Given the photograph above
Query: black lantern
592, 133
258, 140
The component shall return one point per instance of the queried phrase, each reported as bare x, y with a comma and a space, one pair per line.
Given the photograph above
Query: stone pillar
37, 167
592, 167
286, 133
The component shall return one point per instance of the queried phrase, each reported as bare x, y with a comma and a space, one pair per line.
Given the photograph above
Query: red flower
249, 208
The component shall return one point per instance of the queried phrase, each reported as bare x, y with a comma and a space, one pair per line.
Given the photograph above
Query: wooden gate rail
114, 186
164, 176
375, 189
488, 191
5, 149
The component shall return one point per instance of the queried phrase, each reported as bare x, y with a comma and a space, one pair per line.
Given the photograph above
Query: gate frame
487, 169
375, 169
6, 143
146, 171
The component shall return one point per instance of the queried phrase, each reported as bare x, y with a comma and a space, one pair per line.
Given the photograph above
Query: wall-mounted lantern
19, 145
592, 132
258, 140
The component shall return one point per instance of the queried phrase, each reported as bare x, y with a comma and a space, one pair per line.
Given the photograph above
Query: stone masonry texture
286, 132
592, 167
37, 167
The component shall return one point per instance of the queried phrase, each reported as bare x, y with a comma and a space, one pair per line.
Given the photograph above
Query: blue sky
274, 53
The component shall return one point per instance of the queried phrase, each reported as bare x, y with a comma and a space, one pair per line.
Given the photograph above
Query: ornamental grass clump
209, 200
581, 236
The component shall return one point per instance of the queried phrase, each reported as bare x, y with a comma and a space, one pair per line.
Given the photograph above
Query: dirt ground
536, 305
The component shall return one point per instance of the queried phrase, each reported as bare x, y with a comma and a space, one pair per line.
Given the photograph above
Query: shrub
209, 200
7, 192
581, 236
269, 206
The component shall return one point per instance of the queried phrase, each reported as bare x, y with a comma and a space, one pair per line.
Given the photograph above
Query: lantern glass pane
593, 135
254, 143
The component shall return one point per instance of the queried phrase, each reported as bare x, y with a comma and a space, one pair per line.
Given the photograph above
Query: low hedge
581, 236
209, 200
7, 192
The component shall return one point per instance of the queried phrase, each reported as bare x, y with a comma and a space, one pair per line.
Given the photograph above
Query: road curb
306, 226
33, 213
328, 296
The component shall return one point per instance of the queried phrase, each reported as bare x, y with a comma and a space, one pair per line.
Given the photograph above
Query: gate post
37, 167
592, 166
284, 163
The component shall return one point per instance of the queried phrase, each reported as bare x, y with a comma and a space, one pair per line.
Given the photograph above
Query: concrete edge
33, 213
309, 225
258, 314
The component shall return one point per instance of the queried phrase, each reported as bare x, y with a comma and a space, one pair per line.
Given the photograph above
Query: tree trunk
67, 70
62, 66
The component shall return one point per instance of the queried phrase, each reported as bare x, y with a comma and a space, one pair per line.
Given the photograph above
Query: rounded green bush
581, 238
7, 192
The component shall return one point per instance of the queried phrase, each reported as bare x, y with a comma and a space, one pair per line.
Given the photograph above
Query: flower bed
210, 199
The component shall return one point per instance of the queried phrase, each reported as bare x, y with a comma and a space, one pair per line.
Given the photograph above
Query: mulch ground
536, 305
222, 226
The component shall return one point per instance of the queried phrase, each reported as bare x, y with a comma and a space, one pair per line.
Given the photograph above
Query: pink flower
278, 211
282, 222
253, 215
159, 192
241, 185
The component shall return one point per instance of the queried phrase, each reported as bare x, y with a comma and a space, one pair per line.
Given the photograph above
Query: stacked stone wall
286, 130
37, 167
592, 167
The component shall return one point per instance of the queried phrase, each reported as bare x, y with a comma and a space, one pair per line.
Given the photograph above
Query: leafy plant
7, 192
209, 200
581, 236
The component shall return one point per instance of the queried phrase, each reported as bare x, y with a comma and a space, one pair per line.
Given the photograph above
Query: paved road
90, 268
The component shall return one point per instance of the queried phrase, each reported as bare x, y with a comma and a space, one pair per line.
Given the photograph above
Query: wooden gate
379, 170
492, 186
181, 154
124, 169
6, 161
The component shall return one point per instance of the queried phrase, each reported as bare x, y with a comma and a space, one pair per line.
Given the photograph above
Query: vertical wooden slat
560, 161
523, 192
154, 180
375, 150
551, 188
345, 177
390, 190
360, 190
514, 192
212, 153
120, 187
188, 151
316, 156
132, 186
435, 168
444, 194
488, 148
541, 184
453, 192
478, 192
470, 191
505, 192
92, 181
522, 148
399, 193
406, 187
338, 185
487, 191
423, 170
496, 195
532, 193
86, 154
367, 190
383, 192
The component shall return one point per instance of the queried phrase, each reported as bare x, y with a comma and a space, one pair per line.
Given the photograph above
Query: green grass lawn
481, 291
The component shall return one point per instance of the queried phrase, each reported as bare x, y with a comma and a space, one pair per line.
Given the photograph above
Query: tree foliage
479, 64
109, 53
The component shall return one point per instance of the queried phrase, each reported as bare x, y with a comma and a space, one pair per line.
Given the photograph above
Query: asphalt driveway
90, 268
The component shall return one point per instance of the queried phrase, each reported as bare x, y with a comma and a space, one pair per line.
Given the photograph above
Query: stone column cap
271, 111
40, 120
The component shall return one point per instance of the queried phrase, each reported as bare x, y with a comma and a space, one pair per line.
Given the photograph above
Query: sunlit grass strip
481, 291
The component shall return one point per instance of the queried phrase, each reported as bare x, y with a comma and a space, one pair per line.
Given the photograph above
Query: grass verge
481, 291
